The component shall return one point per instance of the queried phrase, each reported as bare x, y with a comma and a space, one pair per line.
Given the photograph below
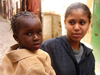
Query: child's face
76, 24
29, 34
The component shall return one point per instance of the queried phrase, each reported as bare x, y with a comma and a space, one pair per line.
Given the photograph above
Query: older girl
68, 55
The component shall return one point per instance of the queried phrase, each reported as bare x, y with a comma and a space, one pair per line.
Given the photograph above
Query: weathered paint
6, 9
31, 5
96, 31
34, 6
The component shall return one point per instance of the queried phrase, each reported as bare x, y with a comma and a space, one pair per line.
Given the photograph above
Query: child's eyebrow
28, 30
71, 19
83, 19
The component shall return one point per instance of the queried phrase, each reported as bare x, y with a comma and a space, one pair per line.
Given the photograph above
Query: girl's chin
76, 40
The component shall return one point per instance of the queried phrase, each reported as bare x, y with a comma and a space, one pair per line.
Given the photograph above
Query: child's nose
36, 37
77, 26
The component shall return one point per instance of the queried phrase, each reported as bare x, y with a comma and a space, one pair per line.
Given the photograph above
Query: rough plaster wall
51, 26
47, 27
57, 30
87, 37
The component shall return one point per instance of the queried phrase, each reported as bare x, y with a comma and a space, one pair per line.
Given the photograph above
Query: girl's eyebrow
71, 19
83, 19
29, 30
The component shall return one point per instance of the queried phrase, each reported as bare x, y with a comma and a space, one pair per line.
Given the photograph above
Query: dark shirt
64, 61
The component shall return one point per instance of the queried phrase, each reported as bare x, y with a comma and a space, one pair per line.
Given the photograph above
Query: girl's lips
76, 35
36, 45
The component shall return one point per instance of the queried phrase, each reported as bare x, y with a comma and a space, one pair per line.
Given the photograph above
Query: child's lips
36, 45
76, 35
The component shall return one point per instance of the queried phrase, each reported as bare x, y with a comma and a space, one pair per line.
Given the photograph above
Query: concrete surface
6, 38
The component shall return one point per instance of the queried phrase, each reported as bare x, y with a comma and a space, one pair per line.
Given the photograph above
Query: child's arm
43, 68
38, 65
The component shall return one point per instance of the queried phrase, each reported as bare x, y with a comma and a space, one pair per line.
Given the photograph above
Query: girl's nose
77, 27
36, 37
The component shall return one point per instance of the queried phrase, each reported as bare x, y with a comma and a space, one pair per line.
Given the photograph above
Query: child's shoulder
41, 52
51, 42
86, 45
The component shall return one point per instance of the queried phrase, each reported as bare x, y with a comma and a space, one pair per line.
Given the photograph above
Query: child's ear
65, 23
15, 37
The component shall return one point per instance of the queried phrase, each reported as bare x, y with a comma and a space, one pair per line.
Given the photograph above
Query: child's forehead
79, 10
77, 14
28, 21
25, 18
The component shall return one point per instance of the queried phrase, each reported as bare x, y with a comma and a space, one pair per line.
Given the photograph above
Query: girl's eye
29, 34
72, 22
39, 32
82, 22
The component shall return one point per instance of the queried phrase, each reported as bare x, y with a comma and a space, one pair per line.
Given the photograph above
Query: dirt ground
6, 38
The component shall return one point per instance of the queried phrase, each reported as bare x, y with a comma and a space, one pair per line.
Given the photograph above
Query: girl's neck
74, 45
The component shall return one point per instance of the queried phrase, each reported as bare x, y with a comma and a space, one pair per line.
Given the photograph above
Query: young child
25, 58
68, 55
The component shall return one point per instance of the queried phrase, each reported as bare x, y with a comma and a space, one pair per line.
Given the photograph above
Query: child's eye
72, 22
39, 32
82, 22
29, 34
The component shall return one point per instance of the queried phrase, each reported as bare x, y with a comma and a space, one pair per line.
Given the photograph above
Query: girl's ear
15, 37
65, 23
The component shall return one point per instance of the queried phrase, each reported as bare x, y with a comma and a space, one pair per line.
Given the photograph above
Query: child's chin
35, 49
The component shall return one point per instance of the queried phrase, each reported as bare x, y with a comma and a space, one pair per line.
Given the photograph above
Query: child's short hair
15, 18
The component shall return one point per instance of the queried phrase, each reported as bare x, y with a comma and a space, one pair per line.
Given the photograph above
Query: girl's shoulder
40, 52
52, 41
87, 48
86, 45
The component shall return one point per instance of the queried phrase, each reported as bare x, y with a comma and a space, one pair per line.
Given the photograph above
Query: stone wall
51, 24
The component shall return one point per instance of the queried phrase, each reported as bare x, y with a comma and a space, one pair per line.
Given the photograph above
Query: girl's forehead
25, 18
28, 20
77, 14
77, 11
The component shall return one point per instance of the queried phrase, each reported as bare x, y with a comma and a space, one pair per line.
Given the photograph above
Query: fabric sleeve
44, 47
92, 72
52, 72
36, 70
6, 67
41, 67
92, 68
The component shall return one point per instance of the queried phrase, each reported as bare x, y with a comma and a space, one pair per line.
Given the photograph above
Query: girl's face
76, 24
29, 34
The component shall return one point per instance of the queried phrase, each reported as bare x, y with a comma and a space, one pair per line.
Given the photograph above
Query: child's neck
75, 45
